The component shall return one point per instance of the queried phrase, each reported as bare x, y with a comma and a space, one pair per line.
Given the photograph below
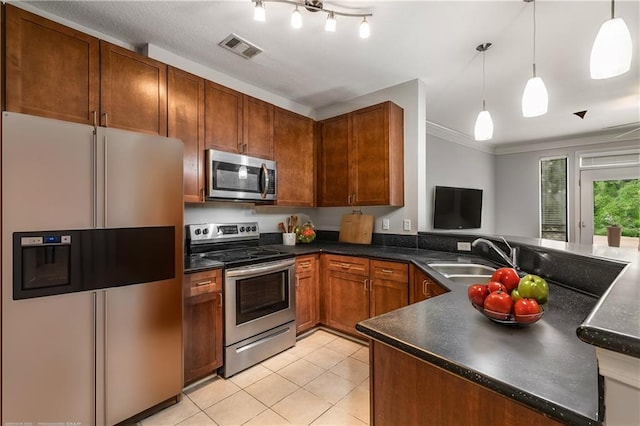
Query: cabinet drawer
354, 265
203, 282
306, 264
392, 271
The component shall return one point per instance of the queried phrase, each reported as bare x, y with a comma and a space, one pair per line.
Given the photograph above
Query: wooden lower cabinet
307, 292
202, 324
408, 391
423, 287
355, 289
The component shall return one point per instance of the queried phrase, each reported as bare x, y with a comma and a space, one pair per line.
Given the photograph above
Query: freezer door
48, 344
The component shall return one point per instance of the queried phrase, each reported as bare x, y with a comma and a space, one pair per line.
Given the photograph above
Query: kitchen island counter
544, 366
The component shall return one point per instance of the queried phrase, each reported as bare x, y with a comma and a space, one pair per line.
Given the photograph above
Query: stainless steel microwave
240, 177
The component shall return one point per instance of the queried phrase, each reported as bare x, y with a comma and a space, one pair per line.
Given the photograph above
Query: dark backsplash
586, 274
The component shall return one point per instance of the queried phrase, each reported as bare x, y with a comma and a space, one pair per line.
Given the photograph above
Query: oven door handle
260, 269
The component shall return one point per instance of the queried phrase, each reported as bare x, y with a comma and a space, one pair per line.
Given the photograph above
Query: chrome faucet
513, 252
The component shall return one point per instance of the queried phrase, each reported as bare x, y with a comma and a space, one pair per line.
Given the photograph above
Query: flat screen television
457, 208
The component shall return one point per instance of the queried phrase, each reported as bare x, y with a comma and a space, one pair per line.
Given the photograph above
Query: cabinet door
132, 91
51, 70
388, 286
347, 300
203, 336
423, 286
386, 296
377, 156
294, 152
334, 188
307, 297
257, 128
202, 325
223, 118
185, 116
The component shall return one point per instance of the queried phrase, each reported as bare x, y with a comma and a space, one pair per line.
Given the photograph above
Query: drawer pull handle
345, 265
387, 271
305, 264
203, 283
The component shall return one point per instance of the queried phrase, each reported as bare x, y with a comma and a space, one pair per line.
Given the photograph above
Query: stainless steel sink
450, 270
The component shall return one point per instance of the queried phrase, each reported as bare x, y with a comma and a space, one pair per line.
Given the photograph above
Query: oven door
240, 177
258, 298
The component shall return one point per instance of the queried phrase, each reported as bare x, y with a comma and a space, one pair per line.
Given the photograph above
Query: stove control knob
205, 231
197, 232
242, 228
253, 228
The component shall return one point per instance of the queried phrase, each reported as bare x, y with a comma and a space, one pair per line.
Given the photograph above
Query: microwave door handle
265, 181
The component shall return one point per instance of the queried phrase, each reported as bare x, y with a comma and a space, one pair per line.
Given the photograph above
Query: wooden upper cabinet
294, 151
333, 176
362, 158
378, 155
133, 93
223, 118
185, 121
51, 70
257, 135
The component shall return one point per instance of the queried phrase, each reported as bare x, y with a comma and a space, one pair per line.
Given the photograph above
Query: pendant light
365, 31
612, 50
535, 100
483, 130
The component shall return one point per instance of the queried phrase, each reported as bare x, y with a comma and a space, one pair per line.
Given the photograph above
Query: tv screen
457, 208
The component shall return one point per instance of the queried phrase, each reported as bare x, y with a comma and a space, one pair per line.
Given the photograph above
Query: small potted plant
614, 231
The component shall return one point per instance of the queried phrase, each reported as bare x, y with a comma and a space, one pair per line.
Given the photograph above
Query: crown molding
460, 138
574, 141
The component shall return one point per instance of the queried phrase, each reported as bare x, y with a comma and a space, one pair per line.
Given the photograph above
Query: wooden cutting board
356, 228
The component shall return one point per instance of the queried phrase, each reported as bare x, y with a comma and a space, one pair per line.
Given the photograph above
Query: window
553, 198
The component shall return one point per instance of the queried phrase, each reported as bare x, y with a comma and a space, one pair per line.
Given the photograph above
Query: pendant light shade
259, 12
483, 130
611, 51
296, 18
535, 100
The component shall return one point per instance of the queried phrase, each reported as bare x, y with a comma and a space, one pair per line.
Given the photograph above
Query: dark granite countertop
545, 365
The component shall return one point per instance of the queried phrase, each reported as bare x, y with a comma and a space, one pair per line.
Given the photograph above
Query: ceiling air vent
240, 46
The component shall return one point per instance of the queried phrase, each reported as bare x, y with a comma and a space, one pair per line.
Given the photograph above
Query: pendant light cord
483, 78
613, 8
534, 38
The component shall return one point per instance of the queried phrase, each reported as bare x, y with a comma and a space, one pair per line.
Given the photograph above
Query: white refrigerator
95, 356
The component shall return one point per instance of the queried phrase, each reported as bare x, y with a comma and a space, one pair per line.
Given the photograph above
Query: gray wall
517, 188
453, 164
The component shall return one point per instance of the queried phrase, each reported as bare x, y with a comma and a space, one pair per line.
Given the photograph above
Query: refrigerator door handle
106, 223
94, 177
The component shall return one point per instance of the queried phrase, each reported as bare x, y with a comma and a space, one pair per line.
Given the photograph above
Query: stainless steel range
259, 291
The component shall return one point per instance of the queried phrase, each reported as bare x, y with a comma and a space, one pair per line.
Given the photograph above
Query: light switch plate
385, 224
406, 224
464, 246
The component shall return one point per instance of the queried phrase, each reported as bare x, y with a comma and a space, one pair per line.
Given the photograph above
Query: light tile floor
323, 380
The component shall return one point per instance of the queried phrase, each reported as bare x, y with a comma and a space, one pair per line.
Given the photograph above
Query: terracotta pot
613, 236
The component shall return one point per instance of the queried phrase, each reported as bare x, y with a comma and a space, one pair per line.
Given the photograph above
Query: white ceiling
434, 41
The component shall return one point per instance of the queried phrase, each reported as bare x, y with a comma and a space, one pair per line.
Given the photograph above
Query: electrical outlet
385, 224
406, 224
464, 246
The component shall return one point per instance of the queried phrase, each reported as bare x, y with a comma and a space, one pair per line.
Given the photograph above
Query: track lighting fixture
314, 6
